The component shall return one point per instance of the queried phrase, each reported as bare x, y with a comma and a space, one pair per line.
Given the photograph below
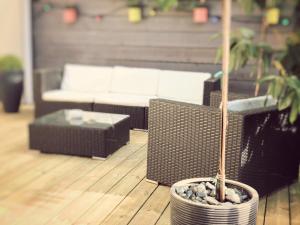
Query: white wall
11, 27
15, 36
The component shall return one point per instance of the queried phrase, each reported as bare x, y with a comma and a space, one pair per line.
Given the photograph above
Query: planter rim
251, 191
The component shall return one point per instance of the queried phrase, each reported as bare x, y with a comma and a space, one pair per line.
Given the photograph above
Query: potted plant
285, 86
244, 48
70, 14
210, 200
12, 82
200, 12
271, 16
135, 11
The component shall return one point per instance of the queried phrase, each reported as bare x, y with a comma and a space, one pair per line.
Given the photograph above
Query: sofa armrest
210, 85
45, 80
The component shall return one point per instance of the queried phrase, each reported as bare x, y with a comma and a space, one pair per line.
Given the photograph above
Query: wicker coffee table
80, 133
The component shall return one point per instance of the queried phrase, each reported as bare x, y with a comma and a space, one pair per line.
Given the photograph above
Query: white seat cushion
251, 103
182, 86
86, 78
135, 81
68, 96
124, 99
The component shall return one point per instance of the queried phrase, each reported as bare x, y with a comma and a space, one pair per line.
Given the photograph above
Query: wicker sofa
117, 89
186, 143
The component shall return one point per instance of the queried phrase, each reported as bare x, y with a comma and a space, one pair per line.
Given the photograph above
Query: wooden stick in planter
225, 67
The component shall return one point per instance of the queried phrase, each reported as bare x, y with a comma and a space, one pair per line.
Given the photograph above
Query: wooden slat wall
166, 41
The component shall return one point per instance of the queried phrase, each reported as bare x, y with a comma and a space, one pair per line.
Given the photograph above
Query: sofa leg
100, 158
138, 129
152, 181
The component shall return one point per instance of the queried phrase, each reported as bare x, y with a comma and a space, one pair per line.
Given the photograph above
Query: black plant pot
1, 86
12, 86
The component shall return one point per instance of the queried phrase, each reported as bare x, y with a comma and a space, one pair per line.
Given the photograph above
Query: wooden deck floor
41, 189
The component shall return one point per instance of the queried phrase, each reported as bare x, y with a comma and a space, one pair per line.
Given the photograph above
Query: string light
47, 7
285, 22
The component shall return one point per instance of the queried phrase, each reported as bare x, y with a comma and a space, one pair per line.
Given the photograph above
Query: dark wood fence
166, 41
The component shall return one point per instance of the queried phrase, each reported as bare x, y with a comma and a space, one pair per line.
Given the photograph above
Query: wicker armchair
184, 142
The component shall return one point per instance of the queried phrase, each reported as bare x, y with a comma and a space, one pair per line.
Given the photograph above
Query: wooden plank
123, 213
99, 211
277, 212
67, 189
128, 38
165, 217
155, 24
153, 208
100, 52
18, 179
15, 162
78, 206
261, 211
143, 38
167, 38
42, 191
295, 203
104, 205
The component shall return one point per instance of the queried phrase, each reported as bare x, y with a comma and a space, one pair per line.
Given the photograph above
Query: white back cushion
182, 86
67, 96
134, 81
251, 103
86, 78
124, 99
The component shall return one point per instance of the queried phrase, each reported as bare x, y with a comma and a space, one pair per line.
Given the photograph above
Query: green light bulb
285, 22
46, 8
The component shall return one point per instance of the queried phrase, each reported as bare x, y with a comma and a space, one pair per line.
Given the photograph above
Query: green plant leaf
286, 101
248, 5
218, 55
294, 112
215, 36
271, 88
293, 82
10, 63
247, 33
166, 5
267, 79
278, 88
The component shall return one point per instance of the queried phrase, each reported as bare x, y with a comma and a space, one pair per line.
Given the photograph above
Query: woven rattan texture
79, 141
44, 108
137, 114
216, 98
210, 85
184, 141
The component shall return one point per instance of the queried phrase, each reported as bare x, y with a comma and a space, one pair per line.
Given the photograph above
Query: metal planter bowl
186, 212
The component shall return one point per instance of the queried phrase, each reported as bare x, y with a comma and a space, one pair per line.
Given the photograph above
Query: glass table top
76, 117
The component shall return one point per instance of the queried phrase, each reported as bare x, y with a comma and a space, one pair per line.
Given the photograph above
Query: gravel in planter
205, 193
